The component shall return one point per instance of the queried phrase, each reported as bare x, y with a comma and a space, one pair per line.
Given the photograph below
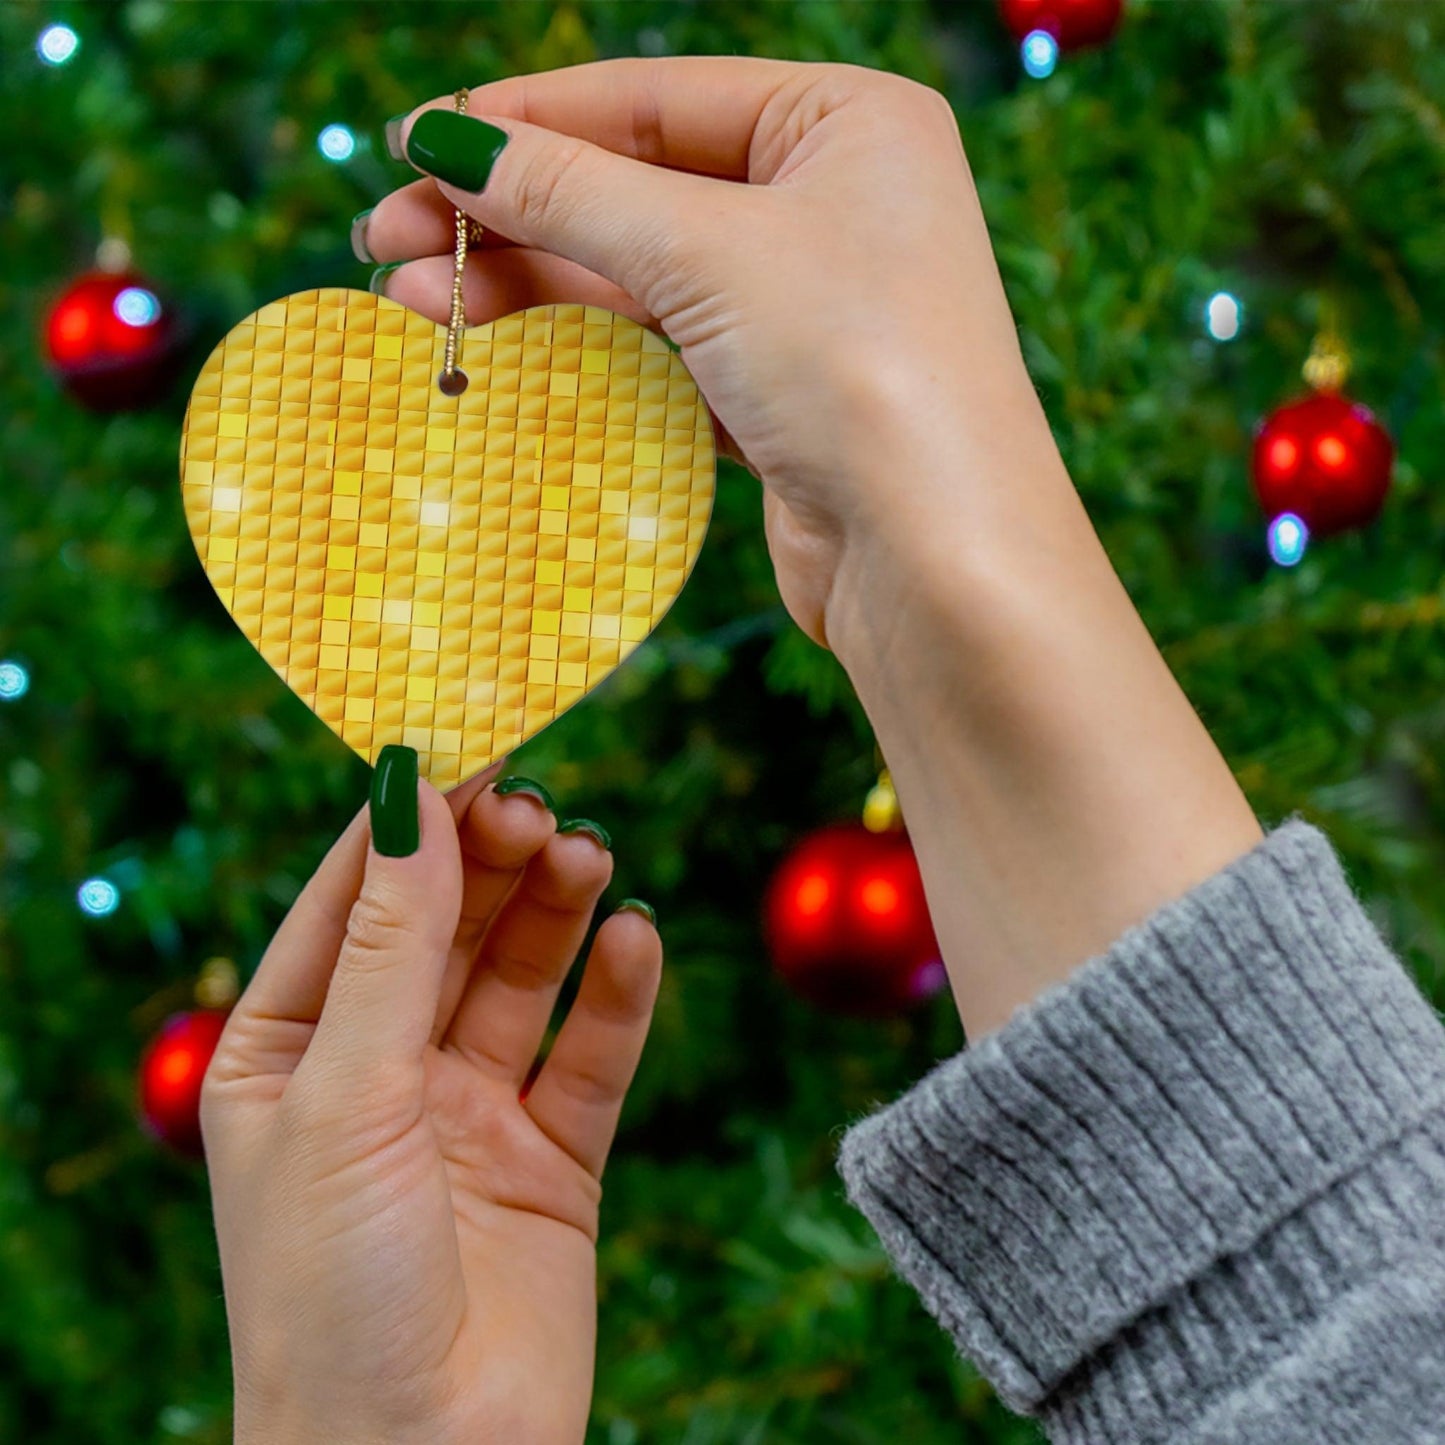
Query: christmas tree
165, 796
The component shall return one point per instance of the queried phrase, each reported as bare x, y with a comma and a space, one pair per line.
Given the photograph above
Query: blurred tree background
1290, 154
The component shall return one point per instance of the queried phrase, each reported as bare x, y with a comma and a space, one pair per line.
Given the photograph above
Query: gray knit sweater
1195, 1193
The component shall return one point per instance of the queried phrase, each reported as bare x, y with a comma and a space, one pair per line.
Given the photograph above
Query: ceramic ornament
447, 571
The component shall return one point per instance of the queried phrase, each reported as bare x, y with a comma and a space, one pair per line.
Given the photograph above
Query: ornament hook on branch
1327, 368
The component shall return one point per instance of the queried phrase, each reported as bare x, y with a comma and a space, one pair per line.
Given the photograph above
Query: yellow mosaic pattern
447, 572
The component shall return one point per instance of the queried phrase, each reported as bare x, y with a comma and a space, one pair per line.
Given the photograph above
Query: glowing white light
1040, 53
98, 897
57, 44
1288, 537
336, 143
14, 681
137, 307
1223, 316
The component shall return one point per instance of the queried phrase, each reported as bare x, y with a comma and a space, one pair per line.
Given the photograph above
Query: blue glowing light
336, 143
1288, 538
1040, 53
137, 307
98, 897
14, 681
1223, 316
57, 44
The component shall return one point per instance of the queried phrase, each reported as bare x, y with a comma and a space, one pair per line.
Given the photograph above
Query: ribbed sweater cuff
1168, 1160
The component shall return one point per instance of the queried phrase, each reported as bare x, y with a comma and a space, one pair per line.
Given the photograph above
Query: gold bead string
453, 381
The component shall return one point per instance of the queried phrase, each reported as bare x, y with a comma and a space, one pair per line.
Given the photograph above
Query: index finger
694, 113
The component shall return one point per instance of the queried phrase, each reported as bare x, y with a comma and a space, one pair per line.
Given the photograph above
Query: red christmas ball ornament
1324, 458
112, 341
1073, 23
848, 926
171, 1071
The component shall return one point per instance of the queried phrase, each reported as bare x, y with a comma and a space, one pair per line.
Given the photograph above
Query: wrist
931, 588
959, 480
1056, 782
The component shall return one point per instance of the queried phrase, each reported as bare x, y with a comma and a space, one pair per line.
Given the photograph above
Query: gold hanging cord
453, 381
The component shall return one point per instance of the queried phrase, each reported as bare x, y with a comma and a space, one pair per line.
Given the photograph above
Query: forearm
1056, 782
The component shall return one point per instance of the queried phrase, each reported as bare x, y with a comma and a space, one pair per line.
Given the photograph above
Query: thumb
383, 996
623, 219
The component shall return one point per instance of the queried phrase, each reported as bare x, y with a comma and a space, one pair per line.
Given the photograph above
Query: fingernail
393, 136
358, 237
525, 785
395, 827
636, 905
377, 284
593, 830
457, 149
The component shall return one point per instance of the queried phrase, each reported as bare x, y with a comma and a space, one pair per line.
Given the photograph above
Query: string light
136, 306
14, 681
336, 143
98, 897
1223, 316
57, 44
1040, 52
929, 979
1288, 538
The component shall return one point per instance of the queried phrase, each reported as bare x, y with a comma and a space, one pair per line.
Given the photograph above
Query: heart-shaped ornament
448, 572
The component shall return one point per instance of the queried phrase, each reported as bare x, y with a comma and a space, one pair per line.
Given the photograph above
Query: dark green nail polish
593, 830
395, 827
457, 149
525, 785
358, 237
377, 284
393, 136
636, 905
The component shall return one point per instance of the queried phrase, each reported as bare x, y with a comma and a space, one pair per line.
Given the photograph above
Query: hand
811, 238
844, 296
407, 1246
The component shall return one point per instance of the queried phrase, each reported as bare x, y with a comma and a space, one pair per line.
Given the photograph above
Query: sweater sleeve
1196, 1192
